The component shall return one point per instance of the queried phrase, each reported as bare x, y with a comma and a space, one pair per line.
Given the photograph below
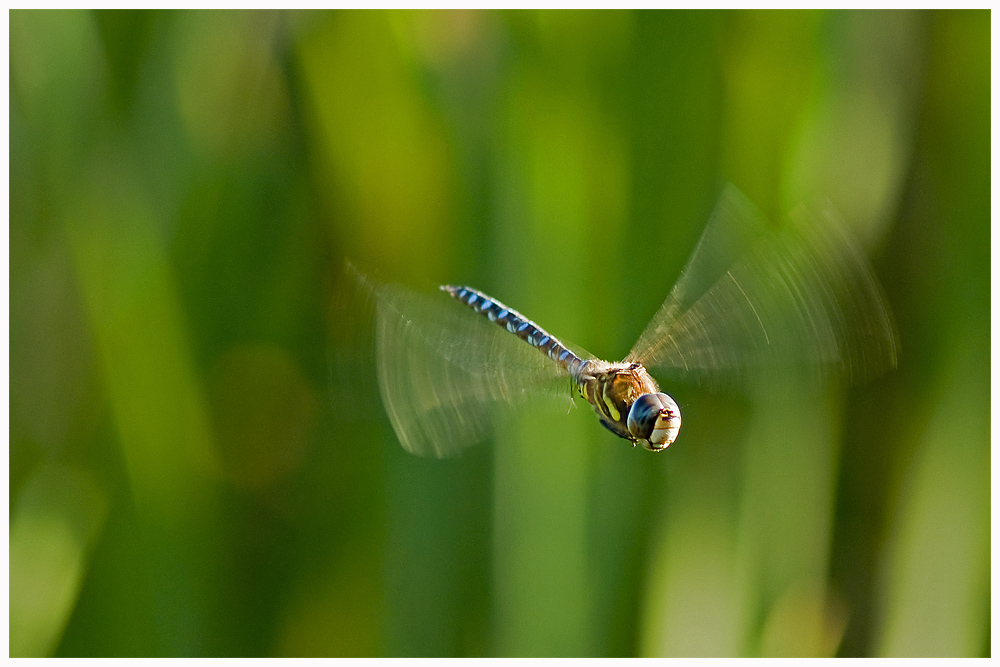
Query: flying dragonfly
750, 300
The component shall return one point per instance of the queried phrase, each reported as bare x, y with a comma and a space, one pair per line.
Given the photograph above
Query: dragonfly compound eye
654, 420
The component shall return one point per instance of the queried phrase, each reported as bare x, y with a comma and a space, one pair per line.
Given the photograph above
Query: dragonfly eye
654, 420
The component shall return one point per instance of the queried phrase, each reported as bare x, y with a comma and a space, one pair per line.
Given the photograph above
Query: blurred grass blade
56, 520
937, 569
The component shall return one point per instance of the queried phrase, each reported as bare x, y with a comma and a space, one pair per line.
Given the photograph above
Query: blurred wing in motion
444, 374
752, 300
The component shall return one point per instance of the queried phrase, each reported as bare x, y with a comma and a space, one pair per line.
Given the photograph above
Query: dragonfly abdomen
517, 324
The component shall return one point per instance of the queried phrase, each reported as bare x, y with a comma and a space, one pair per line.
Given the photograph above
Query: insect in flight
750, 300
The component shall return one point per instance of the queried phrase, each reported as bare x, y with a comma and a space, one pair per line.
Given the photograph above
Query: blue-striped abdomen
517, 324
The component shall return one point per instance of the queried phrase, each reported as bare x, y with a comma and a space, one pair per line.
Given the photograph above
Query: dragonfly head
654, 421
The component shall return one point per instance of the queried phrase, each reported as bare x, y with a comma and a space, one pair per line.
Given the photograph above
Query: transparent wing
752, 300
446, 374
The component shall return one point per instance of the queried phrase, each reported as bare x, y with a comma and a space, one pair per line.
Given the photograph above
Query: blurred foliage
199, 461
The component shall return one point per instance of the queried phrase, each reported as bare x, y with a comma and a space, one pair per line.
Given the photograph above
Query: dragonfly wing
446, 375
753, 300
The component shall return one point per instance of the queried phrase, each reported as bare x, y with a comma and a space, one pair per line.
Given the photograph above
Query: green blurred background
199, 460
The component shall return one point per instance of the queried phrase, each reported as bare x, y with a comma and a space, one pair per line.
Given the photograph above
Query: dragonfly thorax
629, 403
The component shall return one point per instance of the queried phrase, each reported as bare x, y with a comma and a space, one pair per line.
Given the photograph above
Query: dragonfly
752, 300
